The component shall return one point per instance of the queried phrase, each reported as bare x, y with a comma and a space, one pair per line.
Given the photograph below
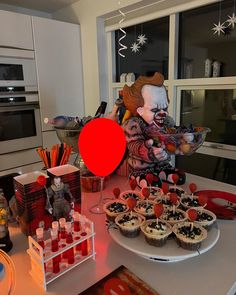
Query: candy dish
178, 140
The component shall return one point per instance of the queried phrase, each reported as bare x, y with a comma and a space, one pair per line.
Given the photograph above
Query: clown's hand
160, 154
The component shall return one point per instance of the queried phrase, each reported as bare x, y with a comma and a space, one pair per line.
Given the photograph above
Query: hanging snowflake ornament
219, 28
142, 39
135, 47
231, 21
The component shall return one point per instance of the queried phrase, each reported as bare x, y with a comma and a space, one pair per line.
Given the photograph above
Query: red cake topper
192, 214
116, 192
175, 178
150, 178
158, 209
173, 198
202, 200
192, 187
102, 144
131, 202
165, 188
146, 192
133, 184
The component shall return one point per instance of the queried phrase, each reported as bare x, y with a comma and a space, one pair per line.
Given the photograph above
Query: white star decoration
142, 39
135, 47
231, 20
219, 28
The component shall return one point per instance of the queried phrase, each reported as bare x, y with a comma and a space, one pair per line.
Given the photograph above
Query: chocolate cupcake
189, 235
176, 189
205, 218
129, 224
173, 216
114, 208
188, 201
156, 233
130, 193
155, 192
145, 208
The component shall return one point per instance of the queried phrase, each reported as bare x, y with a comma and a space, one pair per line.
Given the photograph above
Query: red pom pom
131, 202
165, 188
192, 214
133, 184
41, 180
116, 192
158, 209
175, 178
192, 187
173, 198
145, 192
202, 200
149, 178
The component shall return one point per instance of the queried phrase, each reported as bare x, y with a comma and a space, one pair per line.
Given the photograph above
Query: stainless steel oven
20, 124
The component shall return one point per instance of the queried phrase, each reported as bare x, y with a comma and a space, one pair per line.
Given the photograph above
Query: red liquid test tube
76, 220
40, 239
55, 226
62, 222
69, 239
55, 248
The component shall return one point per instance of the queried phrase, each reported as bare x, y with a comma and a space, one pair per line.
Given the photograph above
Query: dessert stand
170, 252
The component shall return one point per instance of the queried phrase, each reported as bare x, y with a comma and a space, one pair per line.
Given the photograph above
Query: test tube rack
41, 259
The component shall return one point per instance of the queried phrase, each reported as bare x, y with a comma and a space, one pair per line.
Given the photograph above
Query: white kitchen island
207, 274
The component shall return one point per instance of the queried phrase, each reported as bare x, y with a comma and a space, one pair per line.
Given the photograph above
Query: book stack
31, 202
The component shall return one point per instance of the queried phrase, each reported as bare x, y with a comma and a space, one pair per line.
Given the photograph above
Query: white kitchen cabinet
59, 68
15, 30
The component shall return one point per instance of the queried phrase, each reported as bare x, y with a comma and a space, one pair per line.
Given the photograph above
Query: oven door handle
19, 108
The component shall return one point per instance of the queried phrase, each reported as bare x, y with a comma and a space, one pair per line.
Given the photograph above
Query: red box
31, 201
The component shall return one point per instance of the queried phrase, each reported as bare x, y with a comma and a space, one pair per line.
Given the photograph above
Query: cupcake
189, 235
165, 200
155, 192
114, 208
131, 193
173, 216
205, 218
188, 201
176, 189
145, 208
129, 224
156, 232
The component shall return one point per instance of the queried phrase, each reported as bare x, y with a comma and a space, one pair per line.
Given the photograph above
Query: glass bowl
179, 143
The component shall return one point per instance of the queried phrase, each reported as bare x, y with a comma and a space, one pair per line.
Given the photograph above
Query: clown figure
147, 101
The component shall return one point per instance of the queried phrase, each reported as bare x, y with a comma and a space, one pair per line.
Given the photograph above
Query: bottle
101, 109
5, 241
208, 68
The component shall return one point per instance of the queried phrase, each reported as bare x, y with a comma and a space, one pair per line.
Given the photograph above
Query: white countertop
210, 273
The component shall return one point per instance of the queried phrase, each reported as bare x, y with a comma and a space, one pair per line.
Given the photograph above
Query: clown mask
155, 104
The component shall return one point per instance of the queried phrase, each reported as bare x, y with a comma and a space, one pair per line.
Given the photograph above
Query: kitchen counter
209, 273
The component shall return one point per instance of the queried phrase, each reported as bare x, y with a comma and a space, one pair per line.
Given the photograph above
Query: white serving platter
170, 252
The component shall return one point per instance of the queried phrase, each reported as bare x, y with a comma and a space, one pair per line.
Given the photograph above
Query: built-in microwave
18, 70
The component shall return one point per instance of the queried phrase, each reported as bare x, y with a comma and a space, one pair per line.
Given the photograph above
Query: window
198, 42
152, 56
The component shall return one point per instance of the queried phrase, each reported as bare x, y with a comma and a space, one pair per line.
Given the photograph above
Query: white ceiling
48, 6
